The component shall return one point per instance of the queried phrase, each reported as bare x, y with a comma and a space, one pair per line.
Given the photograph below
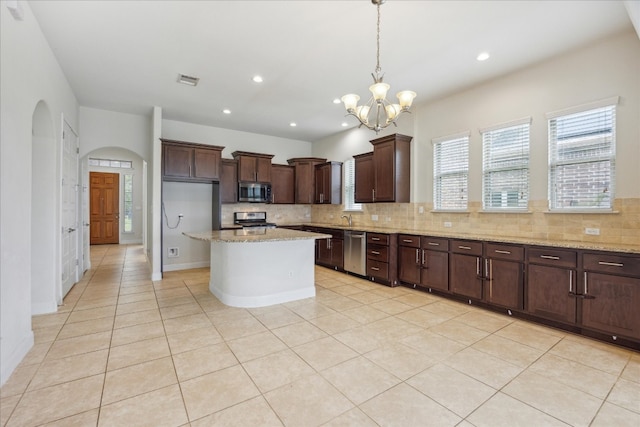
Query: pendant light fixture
378, 113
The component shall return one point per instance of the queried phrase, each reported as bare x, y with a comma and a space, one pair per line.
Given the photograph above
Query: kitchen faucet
348, 219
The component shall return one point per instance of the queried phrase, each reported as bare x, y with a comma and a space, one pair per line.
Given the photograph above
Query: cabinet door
435, 270
612, 304
504, 283
263, 169
337, 253
229, 181
409, 264
465, 275
324, 251
364, 179
320, 172
177, 161
304, 182
549, 293
247, 168
206, 164
384, 172
282, 184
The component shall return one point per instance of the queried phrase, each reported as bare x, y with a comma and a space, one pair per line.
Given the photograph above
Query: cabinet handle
375, 252
328, 243
478, 266
611, 264
468, 248
490, 277
424, 259
498, 251
404, 240
375, 268
417, 256
377, 239
586, 290
571, 282
486, 269
433, 244
373, 193
550, 257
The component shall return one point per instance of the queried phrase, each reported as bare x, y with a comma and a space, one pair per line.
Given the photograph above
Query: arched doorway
44, 212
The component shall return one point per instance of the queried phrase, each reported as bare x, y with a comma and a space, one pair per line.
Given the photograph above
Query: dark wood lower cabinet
435, 270
550, 293
504, 283
409, 265
611, 304
465, 275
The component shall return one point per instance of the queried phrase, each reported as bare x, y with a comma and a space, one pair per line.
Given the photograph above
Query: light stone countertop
568, 244
256, 234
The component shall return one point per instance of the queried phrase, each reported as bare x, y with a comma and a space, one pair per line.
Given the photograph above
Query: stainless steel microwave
254, 192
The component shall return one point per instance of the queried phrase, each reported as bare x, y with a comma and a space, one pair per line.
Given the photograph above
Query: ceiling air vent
188, 80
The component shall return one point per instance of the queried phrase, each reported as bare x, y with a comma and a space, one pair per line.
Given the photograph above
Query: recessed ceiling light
345, 124
483, 56
188, 80
257, 79
226, 111
337, 101
293, 124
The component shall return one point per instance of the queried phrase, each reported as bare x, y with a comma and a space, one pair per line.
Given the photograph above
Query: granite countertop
256, 234
569, 244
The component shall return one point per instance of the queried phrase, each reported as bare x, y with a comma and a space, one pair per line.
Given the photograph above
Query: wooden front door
104, 208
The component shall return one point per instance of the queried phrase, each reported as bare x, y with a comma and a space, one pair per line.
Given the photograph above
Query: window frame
349, 188
554, 162
463, 137
521, 159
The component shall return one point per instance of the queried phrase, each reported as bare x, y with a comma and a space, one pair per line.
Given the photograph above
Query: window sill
450, 211
352, 210
505, 211
582, 211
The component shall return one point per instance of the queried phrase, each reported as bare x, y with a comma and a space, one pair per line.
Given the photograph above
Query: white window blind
582, 159
128, 203
505, 167
350, 186
450, 173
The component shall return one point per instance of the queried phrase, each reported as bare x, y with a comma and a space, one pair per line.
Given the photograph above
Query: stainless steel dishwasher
355, 252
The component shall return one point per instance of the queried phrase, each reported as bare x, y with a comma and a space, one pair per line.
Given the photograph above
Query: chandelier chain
378, 69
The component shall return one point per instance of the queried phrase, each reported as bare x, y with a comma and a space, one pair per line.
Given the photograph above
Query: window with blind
582, 158
505, 166
451, 172
350, 186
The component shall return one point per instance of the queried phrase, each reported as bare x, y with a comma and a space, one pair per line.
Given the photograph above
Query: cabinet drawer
335, 233
434, 243
409, 240
378, 239
499, 251
611, 263
552, 257
378, 269
470, 247
378, 253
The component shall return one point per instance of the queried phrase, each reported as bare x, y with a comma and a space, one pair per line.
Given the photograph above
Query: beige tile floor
126, 351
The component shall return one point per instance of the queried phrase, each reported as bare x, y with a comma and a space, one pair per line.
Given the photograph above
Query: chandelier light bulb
379, 91
392, 112
406, 98
350, 102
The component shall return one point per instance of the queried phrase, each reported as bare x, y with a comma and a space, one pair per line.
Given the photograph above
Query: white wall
608, 68
102, 128
29, 73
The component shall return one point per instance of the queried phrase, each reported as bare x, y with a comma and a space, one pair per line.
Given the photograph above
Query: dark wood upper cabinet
229, 181
386, 176
253, 167
328, 183
187, 161
305, 178
282, 184
363, 178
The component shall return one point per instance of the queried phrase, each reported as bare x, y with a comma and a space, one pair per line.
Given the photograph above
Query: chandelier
378, 113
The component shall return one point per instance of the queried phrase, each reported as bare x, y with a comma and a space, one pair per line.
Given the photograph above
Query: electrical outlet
421, 209
447, 224
592, 231
374, 217
173, 253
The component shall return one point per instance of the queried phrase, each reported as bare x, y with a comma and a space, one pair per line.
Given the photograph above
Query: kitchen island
257, 267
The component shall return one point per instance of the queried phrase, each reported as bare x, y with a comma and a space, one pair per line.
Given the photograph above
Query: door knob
71, 230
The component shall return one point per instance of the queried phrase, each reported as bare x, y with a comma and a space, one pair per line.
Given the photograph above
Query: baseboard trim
9, 364
44, 308
186, 266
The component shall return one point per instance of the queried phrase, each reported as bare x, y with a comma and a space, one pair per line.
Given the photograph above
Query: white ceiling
126, 55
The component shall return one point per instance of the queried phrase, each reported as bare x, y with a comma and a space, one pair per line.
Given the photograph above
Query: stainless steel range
252, 220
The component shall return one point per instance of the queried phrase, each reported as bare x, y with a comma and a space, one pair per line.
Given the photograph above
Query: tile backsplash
280, 214
622, 226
